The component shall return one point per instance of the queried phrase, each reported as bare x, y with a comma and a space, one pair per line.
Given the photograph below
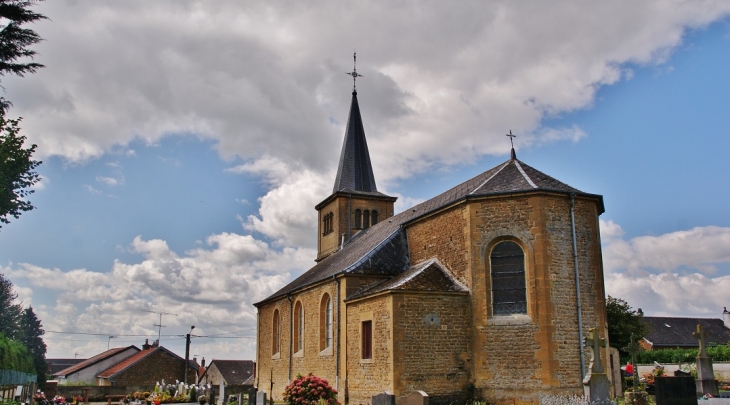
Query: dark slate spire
355, 171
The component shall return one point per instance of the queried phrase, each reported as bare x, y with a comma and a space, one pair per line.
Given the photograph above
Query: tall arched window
358, 219
298, 327
275, 333
327, 223
325, 323
509, 295
366, 219
374, 217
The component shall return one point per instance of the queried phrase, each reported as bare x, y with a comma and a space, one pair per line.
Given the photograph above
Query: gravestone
675, 391
384, 398
261, 398
595, 383
414, 398
706, 383
252, 396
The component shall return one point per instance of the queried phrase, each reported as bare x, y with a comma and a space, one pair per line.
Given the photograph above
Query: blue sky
183, 152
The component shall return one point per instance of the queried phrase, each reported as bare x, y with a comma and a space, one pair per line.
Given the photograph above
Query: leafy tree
15, 40
9, 310
31, 332
623, 321
16, 171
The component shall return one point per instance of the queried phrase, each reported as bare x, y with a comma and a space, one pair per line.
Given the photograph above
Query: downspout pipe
291, 332
337, 346
577, 288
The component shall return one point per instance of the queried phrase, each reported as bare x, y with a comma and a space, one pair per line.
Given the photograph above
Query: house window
366, 351
299, 327
509, 295
325, 323
275, 333
366, 219
374, 217
358, 219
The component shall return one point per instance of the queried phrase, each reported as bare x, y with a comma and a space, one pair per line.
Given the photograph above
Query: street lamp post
187, 353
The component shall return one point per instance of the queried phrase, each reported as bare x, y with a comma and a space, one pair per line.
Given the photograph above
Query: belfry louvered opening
508, 279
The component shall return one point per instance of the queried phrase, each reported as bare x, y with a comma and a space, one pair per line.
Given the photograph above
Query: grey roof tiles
355, 171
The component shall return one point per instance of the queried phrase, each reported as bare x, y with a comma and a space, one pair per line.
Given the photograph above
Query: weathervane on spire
354, 73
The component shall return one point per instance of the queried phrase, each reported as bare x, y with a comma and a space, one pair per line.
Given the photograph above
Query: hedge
15, 356
716, 353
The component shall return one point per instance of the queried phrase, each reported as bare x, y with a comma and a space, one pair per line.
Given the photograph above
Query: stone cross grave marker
595, 383
633, 349
595, 342
706, 383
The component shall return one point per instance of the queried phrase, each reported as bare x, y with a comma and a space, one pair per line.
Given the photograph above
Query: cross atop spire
354, 73
513, 154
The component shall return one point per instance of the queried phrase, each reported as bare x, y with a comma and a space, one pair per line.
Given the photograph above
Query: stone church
482, 292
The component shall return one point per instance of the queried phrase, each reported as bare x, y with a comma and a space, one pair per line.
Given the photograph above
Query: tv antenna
160, 325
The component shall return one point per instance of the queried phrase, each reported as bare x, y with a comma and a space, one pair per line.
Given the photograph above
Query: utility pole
187, 353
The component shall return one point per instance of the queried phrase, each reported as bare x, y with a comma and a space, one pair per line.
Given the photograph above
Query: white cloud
212, 287
699, 248
655, 273
109, 181
91, 189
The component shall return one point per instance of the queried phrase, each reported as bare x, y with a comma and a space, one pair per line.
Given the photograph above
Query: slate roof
355, 171
383, 249
677, 332
236, 372
429, 275
99, 357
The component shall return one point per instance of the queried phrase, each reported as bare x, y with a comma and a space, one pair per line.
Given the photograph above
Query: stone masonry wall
369, 377
430, 343
444, 236
276, 368
518, 358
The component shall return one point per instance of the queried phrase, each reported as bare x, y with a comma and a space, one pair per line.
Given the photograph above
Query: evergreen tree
623, 321
30, 331
9, 310
15, 40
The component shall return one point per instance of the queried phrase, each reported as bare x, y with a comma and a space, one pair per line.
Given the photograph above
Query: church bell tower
355, 203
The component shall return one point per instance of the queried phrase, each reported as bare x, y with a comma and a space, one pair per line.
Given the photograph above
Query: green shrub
664, 356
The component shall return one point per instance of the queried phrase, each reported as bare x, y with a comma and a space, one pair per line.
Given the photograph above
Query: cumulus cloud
670, 274
212, 287
699, 248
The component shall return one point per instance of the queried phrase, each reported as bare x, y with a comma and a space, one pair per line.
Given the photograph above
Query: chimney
726, 317
639, 312
146, 344
156, 343
202, 363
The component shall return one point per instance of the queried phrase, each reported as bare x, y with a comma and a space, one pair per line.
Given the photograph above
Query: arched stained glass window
358, 219
374, 217
275, 333
509, 295
299, 327
325, 323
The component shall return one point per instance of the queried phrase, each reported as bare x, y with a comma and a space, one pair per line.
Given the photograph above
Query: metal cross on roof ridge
510, 138
354, 73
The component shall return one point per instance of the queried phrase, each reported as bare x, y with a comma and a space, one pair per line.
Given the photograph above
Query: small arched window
325, 323
366, 219
327, 223
509, 295
358, 219
275, 333
298, 327
374, 217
